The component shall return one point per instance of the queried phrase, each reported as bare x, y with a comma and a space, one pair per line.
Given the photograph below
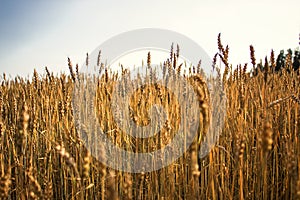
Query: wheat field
256, 157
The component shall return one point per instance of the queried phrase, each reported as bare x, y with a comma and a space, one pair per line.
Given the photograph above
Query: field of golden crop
257, 155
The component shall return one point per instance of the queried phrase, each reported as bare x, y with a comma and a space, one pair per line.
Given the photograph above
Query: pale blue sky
35, 34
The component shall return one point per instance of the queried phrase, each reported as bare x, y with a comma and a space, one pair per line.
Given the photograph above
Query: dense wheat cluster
257, 155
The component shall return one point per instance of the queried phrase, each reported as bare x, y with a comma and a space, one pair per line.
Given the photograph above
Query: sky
35, 34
